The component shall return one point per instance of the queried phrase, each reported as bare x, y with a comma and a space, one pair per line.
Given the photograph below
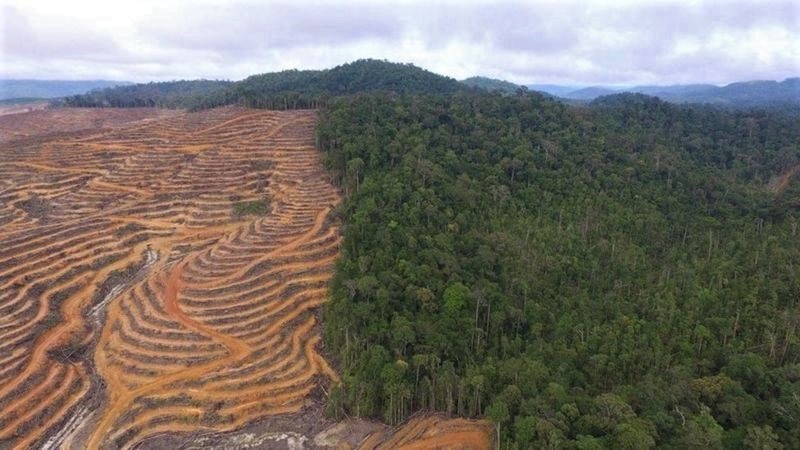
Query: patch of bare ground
782, 182
20, 108
432, 431
29, 120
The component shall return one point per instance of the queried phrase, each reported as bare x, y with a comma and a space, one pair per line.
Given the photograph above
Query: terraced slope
135, 302
16, 122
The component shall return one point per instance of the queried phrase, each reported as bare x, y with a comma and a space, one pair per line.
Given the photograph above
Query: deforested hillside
622, 275
37, 124
162, 277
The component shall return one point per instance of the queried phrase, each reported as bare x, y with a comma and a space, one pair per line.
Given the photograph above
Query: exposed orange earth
432, 432
15, 123
133, 301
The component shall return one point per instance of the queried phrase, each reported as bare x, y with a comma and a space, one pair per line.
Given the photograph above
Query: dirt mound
432, 432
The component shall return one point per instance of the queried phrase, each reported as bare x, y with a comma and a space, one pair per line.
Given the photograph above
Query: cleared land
130, 281
432, 431
161, 275
40, 123
23, 106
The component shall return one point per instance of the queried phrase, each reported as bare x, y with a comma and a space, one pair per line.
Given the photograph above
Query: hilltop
167, 94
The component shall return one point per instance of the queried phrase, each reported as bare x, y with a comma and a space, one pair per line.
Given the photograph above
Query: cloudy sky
548, 41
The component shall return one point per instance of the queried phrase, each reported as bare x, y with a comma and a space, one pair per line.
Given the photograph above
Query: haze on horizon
561, 42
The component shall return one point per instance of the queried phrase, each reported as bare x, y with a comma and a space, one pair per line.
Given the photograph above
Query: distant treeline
169, 94
290, 89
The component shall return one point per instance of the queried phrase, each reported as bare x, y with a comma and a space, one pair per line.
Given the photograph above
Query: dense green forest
311, 88
619, 275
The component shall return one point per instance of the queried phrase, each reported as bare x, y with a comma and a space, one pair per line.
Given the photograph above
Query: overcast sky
559, 41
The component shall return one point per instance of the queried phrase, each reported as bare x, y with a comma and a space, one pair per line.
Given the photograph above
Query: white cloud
568, 42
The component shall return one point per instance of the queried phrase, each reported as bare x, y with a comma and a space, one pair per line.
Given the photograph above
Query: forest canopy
622, 275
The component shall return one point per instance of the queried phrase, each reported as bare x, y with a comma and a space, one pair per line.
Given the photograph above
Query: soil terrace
136, 305
220, 330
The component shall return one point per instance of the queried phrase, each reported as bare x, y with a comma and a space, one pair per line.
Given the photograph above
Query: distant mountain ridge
589, 93
295, 87
13, 88
739, 94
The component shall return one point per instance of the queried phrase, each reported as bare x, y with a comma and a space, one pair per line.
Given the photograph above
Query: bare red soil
17, 122
222, 329
432, 432
136, 306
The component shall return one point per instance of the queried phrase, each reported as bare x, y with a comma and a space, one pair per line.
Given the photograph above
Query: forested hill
290, 89
614, 276
279, 90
